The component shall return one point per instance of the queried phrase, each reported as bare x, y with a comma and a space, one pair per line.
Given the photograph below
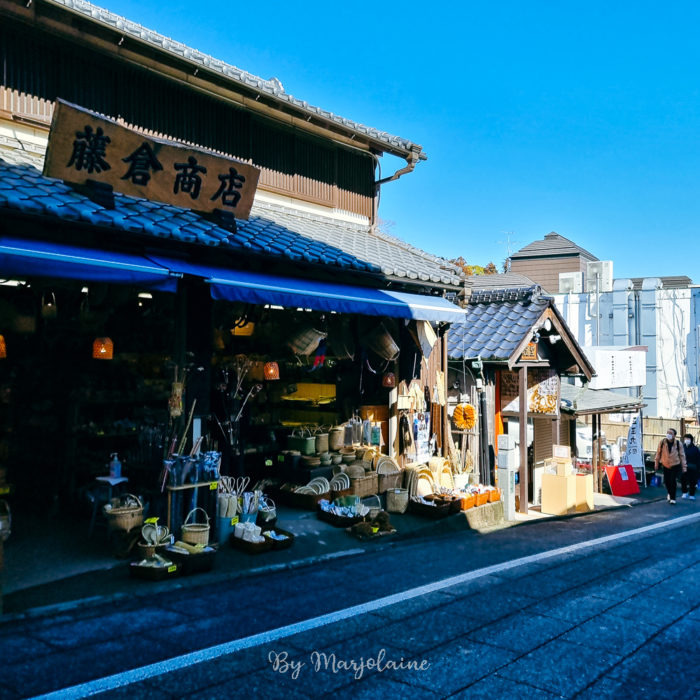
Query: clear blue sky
578, 118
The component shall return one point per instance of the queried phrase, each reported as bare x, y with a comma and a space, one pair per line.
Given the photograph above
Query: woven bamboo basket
481, 499
397, 500
125, 517
494, 496
367, 485
390, 476
195, 533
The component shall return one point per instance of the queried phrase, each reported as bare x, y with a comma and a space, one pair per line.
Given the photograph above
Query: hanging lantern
271, 371
48, 306
103, 349
243, 327
389, 380
3, 348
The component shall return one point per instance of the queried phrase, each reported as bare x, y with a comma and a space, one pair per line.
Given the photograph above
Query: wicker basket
441, 510
368, 485
397, 500
282, 544
494, 496
195, 533
481, 498
251, 547
125, 517
338, 520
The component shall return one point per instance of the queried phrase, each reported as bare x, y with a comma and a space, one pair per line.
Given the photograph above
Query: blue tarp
259, 288
23, 258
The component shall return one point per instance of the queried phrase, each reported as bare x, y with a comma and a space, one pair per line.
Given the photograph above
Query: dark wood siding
36, 69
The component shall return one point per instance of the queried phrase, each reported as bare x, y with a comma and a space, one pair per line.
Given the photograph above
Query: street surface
617, 619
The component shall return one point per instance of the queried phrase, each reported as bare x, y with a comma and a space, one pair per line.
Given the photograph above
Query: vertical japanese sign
85, 146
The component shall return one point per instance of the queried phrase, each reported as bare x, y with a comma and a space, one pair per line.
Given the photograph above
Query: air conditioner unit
599, 276
570, 282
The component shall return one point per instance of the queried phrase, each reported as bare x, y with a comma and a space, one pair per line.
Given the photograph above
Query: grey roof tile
275, 230
552, 245
273, 87
496, 323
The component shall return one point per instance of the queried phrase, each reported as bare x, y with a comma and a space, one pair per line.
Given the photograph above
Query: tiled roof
507, 280
394, 257
272, 88
496, 323
552, 245
580, 399
271, 230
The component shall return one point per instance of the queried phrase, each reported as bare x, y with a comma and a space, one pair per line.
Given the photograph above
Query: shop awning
22, 258
259, 288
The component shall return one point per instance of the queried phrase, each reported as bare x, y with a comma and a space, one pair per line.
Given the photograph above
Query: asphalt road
617, 619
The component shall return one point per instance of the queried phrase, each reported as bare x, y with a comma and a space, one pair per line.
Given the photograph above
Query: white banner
634, 454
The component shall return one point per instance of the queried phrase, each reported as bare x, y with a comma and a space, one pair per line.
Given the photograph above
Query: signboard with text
542, 391
85, 146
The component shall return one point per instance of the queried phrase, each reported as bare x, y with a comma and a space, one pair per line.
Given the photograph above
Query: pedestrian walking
671, 455
689, 478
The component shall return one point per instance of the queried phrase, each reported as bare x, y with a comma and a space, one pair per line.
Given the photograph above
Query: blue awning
259, 288
23, 258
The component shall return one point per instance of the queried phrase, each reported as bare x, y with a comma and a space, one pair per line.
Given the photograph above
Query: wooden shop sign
85, 146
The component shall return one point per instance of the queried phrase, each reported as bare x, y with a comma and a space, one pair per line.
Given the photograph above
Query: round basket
125, 517
355, 471
195, 533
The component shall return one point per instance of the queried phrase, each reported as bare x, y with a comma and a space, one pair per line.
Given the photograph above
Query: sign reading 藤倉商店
85, 146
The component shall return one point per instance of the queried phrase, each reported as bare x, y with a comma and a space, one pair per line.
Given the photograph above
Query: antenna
509, 244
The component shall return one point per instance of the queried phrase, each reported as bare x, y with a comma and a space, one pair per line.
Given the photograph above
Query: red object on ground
622, 480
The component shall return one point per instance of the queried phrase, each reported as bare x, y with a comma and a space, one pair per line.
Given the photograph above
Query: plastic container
115, 466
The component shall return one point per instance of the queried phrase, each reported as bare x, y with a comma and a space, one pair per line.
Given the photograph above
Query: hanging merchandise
380, 341
175, 400
320, 355
306, 341
464, 416
426, 337
405, 435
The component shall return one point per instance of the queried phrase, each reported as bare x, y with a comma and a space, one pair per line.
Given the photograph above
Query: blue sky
578, 118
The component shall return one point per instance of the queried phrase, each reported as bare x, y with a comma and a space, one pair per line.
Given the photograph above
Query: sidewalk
65, 568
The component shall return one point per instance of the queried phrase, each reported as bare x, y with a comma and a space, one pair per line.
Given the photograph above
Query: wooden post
522, 396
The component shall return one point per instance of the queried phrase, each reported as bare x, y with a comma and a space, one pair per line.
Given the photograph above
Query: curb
427, 532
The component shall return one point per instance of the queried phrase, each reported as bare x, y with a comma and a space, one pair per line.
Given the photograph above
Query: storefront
507, 358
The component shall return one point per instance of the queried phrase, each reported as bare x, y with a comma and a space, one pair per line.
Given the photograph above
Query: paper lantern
3, 348
389, 380
103, 349
271, 371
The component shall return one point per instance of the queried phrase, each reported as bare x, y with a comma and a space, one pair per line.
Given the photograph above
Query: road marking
120, 680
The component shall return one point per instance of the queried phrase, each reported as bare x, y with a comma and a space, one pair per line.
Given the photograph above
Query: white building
662, 314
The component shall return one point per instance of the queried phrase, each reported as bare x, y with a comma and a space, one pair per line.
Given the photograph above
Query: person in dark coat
689, 478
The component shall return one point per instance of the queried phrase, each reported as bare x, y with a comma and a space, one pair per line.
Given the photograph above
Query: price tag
172, 569
151, 521
234, 521
213, 485
268, 462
